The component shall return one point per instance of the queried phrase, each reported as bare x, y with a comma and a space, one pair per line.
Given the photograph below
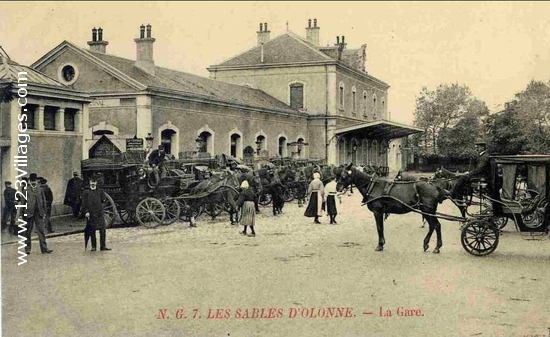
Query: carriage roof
536, 159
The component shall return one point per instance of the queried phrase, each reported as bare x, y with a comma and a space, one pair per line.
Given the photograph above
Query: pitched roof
10, 69
180, 81
286, 48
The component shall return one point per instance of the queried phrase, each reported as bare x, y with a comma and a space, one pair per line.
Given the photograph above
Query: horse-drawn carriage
518, 189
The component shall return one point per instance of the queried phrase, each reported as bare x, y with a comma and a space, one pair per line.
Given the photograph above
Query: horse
384, 197
221, 189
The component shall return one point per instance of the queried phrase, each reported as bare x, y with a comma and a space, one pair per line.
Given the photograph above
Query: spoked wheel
172, 209
109, 210
265, 199
127, 216
535, 219
213, 209
499, 221
480, 237
288, 195
150, 212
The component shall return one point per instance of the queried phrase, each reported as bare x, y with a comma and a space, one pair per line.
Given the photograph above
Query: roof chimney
312, 33
97, 44
341, 46
263, 34
144, 55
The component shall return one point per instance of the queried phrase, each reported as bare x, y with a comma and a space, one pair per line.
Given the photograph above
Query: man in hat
92, 208
157, 159
73, 194
35, 214
482, 170
9, 210
49, 200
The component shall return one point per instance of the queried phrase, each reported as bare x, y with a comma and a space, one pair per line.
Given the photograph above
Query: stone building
44, 123
347, 107
184, 112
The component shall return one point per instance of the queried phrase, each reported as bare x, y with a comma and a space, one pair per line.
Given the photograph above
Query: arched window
374, 106
373, 158
205, 141
260, 143
166, 140
297, 95
341, 93
353, 100
365, 104
235, 140
282, 147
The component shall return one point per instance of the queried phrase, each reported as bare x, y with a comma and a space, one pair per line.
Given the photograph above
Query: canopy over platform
381, 129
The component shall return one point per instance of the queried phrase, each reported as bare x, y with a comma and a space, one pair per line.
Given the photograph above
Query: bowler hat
7, 182
33, 177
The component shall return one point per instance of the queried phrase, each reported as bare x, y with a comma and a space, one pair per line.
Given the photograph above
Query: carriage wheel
172, 209
265, 199
499, 221
535, 219
480, 237
127, 216
288, 195
213, 209
150, 212
109, 211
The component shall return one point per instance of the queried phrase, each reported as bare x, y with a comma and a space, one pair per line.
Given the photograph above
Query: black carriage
134, 191
518, 190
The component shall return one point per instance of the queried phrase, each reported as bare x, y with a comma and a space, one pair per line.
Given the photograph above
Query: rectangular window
297, 96
354, 103
31, 112
49, 118
69, 119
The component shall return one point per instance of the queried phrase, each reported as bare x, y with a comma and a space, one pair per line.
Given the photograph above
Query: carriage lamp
149, 140
258, 146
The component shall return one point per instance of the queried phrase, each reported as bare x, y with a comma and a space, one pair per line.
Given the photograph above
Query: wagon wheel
265, 199
288, 195
213, 209
480, 237
535, 219
109, 210
172, 209
150, 212
499, 221
127, 216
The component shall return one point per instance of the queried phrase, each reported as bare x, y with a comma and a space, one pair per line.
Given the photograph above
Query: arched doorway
166, 139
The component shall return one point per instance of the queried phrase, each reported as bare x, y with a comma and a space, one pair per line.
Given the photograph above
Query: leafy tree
503, 134
6, 92
439, 112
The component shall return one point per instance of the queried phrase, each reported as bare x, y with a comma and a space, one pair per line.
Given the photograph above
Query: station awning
379, 129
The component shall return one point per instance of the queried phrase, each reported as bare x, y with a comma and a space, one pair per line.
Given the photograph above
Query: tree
504, 135
439, 111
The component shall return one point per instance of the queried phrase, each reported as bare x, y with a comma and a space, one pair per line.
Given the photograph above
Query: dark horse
384, 197
220, 189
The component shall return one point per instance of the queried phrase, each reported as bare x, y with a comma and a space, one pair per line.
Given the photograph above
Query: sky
495, 48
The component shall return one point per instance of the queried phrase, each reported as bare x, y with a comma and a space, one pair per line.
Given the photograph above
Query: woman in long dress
332, 210
316, 197
246, 203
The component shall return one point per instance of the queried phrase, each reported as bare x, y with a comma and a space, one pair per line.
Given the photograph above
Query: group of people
321, 198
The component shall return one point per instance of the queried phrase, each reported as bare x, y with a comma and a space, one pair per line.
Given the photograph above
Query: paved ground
290, 267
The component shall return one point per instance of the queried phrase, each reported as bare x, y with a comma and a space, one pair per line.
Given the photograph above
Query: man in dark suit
482, 170
92, 208
49, 200
35, 214
157, 159
73, 194
9, 210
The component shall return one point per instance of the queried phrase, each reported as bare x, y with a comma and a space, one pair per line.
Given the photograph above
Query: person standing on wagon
316, 195
246, 203
92, 208
330, 191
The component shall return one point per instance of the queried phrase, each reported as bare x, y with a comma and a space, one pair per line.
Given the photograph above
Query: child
330, 191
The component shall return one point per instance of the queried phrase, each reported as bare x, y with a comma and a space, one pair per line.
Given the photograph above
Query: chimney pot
338, 40
263, 34
309, 23
94, 34
314, 22
265, 26
261, 27
148, 30
343, 38
100, 34
142, 31
97, 44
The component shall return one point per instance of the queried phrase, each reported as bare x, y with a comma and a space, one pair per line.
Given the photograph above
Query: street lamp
149, 140
258, 146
